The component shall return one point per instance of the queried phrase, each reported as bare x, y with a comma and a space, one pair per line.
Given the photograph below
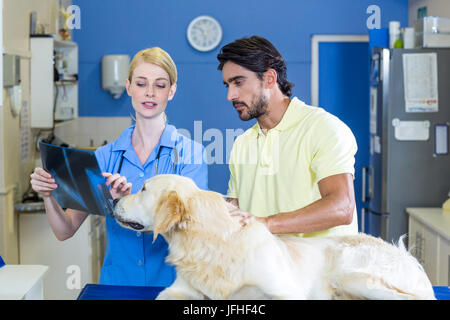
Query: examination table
107, 292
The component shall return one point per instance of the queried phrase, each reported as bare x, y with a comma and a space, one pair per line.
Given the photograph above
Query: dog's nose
115, 201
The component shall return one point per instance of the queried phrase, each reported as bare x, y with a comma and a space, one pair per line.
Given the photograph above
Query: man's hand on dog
245, 217
119, 186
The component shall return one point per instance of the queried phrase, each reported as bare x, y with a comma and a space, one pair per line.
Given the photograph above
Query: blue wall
125, 27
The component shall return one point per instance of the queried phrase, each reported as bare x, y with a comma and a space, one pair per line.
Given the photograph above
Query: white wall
14, 169
439, 8
91, 131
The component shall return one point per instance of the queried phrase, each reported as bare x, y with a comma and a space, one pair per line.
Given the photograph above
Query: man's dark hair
258, 55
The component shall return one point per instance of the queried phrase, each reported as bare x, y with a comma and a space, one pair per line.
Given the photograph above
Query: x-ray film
80, 183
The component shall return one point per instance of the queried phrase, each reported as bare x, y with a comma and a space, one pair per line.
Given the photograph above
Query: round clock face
204, 33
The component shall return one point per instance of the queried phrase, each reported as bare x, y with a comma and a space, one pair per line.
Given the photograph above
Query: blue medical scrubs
132, 258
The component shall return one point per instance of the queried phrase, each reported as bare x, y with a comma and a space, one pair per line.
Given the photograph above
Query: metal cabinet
54, 81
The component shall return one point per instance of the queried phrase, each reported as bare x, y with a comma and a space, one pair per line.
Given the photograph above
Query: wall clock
204, 33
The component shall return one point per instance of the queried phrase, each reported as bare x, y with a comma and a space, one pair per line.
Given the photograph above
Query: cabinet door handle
365, 170
363, 220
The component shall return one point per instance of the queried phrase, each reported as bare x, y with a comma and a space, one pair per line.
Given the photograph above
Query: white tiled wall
91, 131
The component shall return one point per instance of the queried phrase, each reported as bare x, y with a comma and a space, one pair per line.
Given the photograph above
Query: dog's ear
170, 211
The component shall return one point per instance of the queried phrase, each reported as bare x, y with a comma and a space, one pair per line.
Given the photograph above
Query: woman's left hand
119, 186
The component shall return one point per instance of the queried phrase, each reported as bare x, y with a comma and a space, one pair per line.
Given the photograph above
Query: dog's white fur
216, 258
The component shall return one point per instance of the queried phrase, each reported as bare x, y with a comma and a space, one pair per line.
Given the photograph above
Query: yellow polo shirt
280, 171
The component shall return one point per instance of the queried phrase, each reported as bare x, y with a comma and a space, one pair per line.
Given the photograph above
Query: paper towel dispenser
114, 73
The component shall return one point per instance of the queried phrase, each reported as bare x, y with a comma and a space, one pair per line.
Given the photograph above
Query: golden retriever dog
216, 258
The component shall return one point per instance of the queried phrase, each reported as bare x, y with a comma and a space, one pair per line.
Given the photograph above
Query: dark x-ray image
77, 174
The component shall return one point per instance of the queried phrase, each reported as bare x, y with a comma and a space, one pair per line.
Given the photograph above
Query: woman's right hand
42, 182
119, 185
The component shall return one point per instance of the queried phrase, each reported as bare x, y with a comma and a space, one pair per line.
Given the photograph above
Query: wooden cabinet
72, 263
444, 263
428, 241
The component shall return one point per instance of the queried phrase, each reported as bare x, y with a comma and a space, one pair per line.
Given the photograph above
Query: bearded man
294, 169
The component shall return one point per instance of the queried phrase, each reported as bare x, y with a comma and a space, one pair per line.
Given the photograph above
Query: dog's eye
143, 187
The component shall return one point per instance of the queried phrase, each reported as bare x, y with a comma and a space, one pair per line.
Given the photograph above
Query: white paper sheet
25, 133
441, 140
411, 130
373, 110
420, 82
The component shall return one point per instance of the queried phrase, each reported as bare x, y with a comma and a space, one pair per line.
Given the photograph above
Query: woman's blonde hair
156, 56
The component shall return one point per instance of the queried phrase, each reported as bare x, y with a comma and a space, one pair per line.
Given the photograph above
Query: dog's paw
170, 295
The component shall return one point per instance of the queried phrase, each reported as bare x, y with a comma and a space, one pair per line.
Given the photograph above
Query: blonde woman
148, 148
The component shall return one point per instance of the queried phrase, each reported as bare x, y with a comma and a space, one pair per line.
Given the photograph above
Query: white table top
17, 280
434, 218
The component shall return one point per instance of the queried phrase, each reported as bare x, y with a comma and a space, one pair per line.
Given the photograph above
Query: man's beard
257, 108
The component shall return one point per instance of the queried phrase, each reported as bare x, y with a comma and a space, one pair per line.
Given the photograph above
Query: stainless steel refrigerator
409, 137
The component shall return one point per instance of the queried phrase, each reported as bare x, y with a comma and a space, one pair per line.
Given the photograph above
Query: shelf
64, 43
66, 82
59, 123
